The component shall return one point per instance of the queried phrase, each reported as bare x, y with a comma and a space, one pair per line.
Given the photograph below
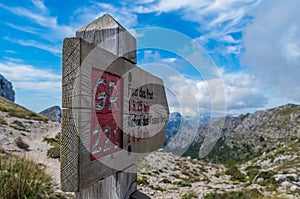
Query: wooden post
107, 103
106, 33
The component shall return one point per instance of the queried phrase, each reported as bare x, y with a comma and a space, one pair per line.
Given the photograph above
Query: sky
245, 53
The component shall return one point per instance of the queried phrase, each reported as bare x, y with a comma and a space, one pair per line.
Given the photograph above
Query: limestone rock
6, 89
53, 113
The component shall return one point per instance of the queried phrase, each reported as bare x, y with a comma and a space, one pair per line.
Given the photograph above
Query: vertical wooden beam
111, 36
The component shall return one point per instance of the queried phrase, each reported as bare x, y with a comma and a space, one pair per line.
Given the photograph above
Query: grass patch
143, 166
14, 110
189, 195
2, 121
18, 126
244, 194
22, 178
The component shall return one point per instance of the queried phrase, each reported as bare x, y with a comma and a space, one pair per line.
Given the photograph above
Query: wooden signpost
114, 113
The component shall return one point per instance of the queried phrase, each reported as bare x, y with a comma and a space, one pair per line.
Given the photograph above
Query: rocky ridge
248, 136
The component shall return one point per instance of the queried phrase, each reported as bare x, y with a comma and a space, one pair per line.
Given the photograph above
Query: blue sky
254, 44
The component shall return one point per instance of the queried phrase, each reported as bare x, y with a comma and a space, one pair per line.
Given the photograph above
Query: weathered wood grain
115, 186
69, 152
111, 36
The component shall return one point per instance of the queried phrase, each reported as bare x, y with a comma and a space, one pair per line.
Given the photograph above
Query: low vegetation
54, 151
2, 121
142, 181
22, 178
14, 110
21, 144
244, 194
233, 171
189, 195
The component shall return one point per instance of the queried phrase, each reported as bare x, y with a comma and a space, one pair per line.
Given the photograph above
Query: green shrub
142, 181
22, 178
21, 144
233, 170
182, 184
165, 180
268, 177
19, 124
252, 171
159, 188
54, 151
2, 150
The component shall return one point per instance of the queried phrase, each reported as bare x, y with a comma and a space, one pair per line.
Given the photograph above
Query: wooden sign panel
114, 113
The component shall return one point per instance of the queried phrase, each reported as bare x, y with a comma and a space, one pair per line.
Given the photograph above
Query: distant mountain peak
53, 113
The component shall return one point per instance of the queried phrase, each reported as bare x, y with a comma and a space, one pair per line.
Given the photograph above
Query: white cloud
169, 60
23, 28
40, 5
31, 78
272, 47
47, 26
11, 51
56, 50
216, 19
240, 94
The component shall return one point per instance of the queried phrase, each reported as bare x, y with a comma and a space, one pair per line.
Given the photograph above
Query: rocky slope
256, 156
25, 133
248, 136
6, 89
273, 175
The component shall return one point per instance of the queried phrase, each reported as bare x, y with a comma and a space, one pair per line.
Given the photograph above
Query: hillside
25, 133
257, 155
248, 136
274, 175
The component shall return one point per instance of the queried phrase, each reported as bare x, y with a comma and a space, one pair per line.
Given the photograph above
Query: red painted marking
106, 119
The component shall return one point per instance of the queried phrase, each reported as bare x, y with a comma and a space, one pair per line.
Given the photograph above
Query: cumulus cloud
240, 94
31, 78
272, 47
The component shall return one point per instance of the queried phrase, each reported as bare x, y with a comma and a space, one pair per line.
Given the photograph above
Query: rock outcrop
6, 89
